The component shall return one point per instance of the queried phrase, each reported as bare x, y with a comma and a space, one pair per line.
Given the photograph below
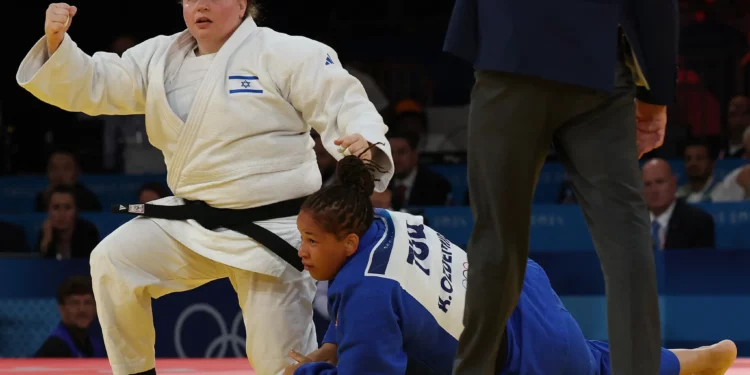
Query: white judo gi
233, 127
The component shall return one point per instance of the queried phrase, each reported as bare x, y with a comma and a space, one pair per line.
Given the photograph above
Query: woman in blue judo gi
396, 298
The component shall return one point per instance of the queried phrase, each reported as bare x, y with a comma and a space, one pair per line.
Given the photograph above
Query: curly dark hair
345, 206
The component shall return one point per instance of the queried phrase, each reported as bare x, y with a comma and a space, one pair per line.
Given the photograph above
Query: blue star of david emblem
245, 84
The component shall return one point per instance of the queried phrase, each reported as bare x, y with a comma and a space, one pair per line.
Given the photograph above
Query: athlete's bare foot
721, 356
707, 360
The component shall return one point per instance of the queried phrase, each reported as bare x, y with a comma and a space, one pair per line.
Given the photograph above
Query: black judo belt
241, 221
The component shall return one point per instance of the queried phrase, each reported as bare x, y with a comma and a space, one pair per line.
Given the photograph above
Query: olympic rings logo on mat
219, 344
465, 274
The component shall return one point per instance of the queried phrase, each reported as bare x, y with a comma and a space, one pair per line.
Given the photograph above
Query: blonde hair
251, 10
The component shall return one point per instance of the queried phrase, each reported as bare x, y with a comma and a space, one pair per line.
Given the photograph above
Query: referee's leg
508, 141
599, 152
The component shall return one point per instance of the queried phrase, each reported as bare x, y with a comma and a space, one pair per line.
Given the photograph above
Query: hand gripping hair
345, 207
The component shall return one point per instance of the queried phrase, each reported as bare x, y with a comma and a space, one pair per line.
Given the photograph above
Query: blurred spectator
736, 184
63, 169
675, 224
738, 119
326, 162
71, 338
414, 184
64, 235
410, 116
13, 238
699, 168
152, 191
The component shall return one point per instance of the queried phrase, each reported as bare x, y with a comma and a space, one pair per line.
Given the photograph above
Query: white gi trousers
127, 273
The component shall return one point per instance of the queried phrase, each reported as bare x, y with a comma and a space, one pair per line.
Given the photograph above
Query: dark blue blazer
570, 41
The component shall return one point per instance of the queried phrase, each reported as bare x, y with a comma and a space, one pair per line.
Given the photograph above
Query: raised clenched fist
58, 20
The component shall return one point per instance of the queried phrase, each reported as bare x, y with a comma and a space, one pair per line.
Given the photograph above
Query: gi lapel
202, 99
167, 71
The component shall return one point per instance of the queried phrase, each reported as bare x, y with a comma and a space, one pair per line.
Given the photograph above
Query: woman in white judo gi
230, 105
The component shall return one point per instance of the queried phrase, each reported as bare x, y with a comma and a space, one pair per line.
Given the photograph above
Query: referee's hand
651, 125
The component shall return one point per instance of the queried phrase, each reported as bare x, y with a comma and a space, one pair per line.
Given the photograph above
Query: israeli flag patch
244, 84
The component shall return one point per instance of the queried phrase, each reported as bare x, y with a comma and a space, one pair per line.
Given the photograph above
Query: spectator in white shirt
736, 184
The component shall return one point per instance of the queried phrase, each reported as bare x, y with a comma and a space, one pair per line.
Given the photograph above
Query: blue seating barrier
563, 227
703, 296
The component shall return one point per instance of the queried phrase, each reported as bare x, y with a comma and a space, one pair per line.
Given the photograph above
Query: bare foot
721, 356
